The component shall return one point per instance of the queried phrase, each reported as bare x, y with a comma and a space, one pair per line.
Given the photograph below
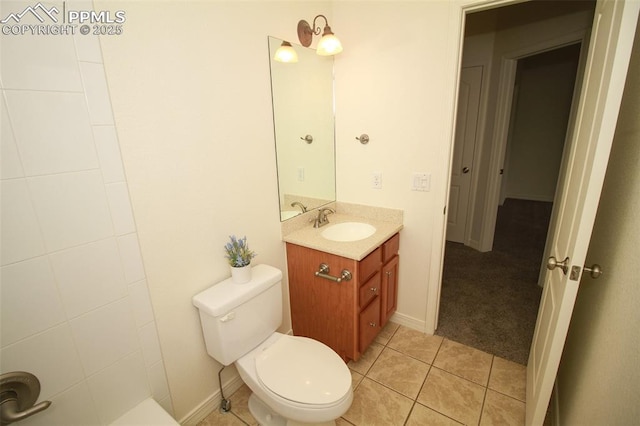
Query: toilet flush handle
231, 315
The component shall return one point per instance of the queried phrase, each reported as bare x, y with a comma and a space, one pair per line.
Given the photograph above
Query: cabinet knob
372, 324
374, 289
388, 273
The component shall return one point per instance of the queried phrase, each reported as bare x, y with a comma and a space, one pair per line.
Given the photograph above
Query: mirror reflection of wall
302, 94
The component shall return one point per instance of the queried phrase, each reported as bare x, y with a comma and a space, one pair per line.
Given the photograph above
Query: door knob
465, 170
595, 270
553, 263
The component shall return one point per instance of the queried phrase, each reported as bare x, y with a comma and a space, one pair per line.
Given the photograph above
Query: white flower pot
241, 275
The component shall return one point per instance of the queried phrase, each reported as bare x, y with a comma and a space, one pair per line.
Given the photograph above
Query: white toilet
293, 379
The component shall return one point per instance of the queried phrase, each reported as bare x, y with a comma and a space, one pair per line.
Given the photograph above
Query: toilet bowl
293, 379
298, 378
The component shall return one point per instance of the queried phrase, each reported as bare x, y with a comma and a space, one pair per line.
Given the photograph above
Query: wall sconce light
286, 53
328, 44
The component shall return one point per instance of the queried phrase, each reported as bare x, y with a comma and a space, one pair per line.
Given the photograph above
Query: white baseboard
212, 403
408, 321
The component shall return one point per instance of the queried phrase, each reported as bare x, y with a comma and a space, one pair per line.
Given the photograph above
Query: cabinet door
389, 289
369, 324
322, 309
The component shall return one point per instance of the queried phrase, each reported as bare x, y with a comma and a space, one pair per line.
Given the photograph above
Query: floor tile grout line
409, 414
431, 366
486, 391
384, 343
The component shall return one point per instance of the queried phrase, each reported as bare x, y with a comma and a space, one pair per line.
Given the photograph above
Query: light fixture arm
306, 31
316, 30
328, 45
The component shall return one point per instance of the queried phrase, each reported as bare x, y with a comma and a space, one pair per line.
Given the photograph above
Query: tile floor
409, 378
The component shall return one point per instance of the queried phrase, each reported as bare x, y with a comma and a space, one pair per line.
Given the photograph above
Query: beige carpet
490, 300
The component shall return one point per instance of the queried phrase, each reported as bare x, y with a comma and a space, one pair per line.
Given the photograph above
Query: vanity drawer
370, 264
369, 324
390, 248
369, 290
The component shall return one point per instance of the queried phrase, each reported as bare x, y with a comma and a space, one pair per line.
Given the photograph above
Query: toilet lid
303, 370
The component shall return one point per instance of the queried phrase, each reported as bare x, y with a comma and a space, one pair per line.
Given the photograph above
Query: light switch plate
421, 182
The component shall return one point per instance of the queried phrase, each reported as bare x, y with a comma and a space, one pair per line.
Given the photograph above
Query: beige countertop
310, 237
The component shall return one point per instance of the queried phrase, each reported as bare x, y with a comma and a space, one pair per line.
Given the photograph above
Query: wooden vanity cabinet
391, 265
346, 316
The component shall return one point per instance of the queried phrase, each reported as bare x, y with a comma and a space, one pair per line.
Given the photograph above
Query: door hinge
445, 210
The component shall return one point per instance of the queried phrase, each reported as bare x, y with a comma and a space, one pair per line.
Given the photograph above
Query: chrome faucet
299, 204
322, 220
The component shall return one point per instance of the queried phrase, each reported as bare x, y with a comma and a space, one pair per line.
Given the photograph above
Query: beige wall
397, 84
545, 91
599, 375
190, 90
191, 97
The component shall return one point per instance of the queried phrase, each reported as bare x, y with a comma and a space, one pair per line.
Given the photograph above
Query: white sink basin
288, 214
348, 231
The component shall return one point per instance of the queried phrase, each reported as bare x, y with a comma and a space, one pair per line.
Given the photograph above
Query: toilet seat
303, 370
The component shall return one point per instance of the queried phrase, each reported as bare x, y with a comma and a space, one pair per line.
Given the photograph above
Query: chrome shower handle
19, 390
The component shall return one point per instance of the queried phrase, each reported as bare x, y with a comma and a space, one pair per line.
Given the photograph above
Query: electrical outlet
376, 180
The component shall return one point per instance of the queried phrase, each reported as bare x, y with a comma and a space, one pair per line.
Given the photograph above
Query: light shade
286, 53
329, 45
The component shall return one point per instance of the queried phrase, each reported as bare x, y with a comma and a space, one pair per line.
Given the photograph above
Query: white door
607, 62
463, 150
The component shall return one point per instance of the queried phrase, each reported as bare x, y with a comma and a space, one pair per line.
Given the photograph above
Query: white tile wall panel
52, 131
51, 356
72, 208
29, 300
120, 206
10, 165
109, 153
73, 407
150, 344
158, 381
105, 335
131, 258
20, 236
119, 387
97, 93
89, 276
141, 303
44, 63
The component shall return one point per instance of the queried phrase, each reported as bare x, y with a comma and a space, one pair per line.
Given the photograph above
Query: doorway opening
490, 293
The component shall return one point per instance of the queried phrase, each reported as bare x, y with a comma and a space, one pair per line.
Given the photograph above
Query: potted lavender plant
239, 257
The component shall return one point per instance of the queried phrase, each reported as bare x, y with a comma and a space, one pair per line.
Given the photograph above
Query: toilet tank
236, 318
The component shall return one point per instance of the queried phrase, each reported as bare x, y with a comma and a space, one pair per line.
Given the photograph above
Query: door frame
458, 13
508, 68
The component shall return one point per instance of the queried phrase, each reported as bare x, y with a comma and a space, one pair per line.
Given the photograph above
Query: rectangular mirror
303, 116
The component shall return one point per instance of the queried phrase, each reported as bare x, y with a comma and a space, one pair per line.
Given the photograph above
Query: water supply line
225, 404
